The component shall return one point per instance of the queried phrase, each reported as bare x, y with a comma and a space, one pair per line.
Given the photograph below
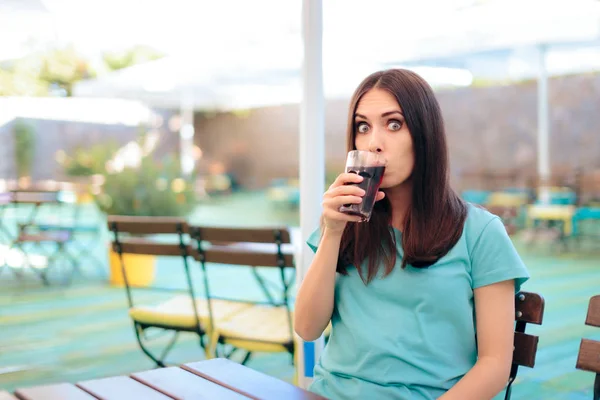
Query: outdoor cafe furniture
507, 199
52, 245
560, 213
233, 323
584, 214
212, 379
588, 358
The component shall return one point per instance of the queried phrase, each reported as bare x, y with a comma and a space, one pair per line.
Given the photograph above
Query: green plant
136, 55
63, 67
150, 188
87, 161
24, 142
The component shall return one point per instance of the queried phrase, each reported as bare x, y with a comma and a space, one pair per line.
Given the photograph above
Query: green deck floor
82, 332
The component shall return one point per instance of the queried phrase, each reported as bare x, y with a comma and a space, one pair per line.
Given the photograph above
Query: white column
186, 134
312, 161
543, 166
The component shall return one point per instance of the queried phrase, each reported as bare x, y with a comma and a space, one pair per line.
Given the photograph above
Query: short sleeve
495, 259
314, 239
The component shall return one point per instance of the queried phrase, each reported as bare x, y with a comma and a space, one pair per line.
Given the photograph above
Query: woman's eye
394, 125
362, 127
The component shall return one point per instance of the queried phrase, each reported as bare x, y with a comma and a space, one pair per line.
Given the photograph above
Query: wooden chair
180, 313
588, 358
529, 309
87, 233
29, 233
263, 326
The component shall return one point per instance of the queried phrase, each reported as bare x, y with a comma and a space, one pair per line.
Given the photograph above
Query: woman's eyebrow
385, 114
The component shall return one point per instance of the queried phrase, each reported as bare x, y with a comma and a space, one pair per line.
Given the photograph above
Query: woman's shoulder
478, 218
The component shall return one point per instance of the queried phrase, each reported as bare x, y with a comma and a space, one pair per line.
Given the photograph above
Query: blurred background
192, 109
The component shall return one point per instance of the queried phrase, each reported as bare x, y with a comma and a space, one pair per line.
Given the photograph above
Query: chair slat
529, 307
525, 349
141, 246
593, 314
588, 358
36, 197
180, 384
232, 256
61, 391
146, 225
253, 235
120, 388
246, 381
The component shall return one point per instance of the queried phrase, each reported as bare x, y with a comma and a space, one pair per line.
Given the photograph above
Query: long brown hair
436, 215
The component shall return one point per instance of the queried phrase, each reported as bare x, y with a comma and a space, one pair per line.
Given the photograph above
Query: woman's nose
375, 146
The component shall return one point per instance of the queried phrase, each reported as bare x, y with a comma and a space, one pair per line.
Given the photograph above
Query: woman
421, 297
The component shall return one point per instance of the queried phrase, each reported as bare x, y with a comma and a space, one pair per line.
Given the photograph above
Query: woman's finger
346, 178
338, 201
380, 196
345, 190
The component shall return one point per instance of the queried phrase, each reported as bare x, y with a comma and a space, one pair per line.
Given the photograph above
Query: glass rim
366, 157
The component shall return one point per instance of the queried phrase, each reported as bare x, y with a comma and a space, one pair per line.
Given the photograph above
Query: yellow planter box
140, 269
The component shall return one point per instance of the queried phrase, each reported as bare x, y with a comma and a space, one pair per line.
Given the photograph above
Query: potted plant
135, 183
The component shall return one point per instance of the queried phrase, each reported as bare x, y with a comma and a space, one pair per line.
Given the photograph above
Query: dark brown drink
372, 177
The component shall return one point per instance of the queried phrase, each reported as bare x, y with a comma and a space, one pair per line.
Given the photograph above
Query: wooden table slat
61, 391
247, 381
6, 396
180, 384
120, 388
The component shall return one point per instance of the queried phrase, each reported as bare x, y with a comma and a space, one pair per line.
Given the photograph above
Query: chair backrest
529, 309
124, 227
36, 197
262, 247
588, 358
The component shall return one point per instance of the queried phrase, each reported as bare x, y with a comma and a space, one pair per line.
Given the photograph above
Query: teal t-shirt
411, 335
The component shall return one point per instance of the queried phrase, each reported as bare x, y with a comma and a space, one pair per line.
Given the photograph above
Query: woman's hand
341, 192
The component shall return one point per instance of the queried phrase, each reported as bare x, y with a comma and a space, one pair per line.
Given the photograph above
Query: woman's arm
495, 316
314, 301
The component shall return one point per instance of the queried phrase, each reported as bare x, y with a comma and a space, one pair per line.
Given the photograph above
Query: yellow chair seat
259, 328
178, 312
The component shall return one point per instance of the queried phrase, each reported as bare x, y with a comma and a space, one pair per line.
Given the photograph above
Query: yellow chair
262, 327
180, 313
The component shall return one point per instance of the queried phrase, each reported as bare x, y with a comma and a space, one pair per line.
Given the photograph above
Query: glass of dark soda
371, 166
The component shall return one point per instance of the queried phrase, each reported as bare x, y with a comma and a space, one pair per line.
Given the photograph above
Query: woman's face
380, 127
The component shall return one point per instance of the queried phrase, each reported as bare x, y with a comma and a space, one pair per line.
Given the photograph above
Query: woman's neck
400, 198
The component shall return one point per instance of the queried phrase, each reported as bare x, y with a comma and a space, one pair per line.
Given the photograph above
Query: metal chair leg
159, 362
246, 358
509, 389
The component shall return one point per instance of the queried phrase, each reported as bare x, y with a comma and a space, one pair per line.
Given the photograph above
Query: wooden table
211, 379
563, 213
